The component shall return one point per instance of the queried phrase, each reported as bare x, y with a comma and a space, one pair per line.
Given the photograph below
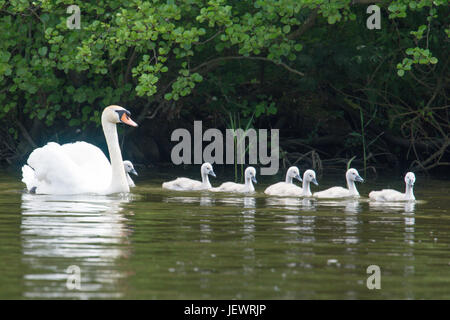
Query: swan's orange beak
127, 120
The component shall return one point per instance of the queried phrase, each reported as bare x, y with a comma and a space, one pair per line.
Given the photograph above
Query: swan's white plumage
308, 177
129, 168
247, 187
234, 187
389, 195
72, 168
28, 177
351, 175
283, 189
287, 187
333, 192
79, 167
291, 190
186, 184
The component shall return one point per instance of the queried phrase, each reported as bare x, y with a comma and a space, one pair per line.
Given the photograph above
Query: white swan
308, 177
394, 195
247, 187
351, 176
80, 167
186, 184
287, 187
129, 168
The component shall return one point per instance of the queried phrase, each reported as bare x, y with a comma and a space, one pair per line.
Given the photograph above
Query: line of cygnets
288, 188
80, 167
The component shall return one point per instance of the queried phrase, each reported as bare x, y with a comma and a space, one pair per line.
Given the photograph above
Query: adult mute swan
247, 187
394, 195
351, 176
186, 184
129, 168
287, 187
80, 167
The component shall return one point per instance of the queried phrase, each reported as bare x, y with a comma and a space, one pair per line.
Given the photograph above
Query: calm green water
155, 244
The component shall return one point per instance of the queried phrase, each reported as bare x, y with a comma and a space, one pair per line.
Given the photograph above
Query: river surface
157, 244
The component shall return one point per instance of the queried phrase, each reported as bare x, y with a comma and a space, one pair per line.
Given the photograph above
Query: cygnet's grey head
129, 168
310, 176
294, 173
250, 173
410, 178
353, 175
207, 169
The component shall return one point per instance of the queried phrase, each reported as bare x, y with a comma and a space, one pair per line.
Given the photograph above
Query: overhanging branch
215, 61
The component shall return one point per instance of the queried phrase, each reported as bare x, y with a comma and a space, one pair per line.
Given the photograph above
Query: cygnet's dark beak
359, 179
298, 178
315, 181
254, 179
134, 172
211, 173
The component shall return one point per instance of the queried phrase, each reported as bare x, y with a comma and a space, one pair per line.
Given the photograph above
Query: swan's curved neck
118, 178
288, 179
248, 182
306, 191
352, 187
409, 195
129, 180
205, 178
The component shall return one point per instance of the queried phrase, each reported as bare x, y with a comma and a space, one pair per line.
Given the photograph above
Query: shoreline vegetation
336, 90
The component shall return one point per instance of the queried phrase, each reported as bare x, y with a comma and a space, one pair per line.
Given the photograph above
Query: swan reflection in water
392, 207
407, 209
291, 203
84, 230
349, 222
203, 200
246, 202
349, 205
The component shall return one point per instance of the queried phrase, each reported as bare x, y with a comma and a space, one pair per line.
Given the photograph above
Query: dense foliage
309, 67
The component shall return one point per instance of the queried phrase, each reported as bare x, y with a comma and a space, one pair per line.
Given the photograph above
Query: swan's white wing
68, 169
54, 171
92, 162
89, 158
333, 192
233, 187
228, 187
386, 195
183, 184
283, 189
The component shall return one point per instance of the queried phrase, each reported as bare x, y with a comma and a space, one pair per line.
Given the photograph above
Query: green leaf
298, 47
41, 114
43, 51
